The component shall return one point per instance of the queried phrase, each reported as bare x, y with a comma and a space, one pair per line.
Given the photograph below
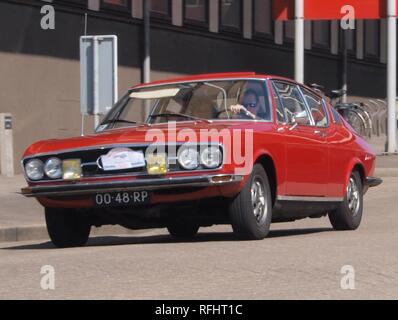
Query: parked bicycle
355, 113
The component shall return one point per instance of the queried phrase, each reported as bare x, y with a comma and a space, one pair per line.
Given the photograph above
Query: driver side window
293, 103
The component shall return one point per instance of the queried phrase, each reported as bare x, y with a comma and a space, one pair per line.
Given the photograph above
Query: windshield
196, 101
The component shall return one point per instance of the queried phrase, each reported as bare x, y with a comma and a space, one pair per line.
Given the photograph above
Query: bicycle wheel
356, 120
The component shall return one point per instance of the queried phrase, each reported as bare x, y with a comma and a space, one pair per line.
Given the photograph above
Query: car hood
132, 135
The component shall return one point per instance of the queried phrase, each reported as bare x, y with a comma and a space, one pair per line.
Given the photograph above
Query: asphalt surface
299, 260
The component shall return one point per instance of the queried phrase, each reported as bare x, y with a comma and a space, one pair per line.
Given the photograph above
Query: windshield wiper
175, 114
122, 121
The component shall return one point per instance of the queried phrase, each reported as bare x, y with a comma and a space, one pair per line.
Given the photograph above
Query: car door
306, 148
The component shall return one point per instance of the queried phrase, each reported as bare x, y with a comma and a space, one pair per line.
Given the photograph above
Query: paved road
298, 260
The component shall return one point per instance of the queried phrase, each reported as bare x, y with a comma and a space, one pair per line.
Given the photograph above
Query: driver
249, 107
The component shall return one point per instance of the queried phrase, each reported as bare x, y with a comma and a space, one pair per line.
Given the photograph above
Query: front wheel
251, 211
67, 227
348, 215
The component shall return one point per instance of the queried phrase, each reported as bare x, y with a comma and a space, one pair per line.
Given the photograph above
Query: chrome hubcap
259, 202
353, 197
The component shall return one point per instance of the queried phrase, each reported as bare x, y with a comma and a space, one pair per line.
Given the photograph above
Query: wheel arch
355, 165
269, 166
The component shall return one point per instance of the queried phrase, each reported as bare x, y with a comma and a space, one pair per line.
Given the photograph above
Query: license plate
117, 199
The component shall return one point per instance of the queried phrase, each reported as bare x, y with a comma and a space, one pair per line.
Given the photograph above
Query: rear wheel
183, 229
348, 215
67, 227
251, 210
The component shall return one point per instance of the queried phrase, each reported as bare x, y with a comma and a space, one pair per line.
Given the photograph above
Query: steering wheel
218, 113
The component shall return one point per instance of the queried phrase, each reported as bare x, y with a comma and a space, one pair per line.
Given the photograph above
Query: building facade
39, 69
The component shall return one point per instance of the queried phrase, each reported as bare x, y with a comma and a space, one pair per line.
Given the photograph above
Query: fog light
72, 169
157, 164
221, 179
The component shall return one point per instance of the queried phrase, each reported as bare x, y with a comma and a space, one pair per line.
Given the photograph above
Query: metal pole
299, 41
146, 67
96, 82
85, 34
344, 86
392, 76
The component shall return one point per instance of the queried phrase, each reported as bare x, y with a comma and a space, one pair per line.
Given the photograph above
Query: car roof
211, 76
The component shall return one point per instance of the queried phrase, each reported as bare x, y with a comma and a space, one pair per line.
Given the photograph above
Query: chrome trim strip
137, 184
118, 145
154, 125
145, 86
310, 199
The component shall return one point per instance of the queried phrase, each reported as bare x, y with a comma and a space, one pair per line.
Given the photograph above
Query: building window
231, 15
116, 5
262, 15
289, 33
161, 8
321, 34
371, 38
196, 11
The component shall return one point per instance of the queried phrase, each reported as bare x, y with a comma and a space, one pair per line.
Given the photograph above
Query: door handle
294, 126
320, 133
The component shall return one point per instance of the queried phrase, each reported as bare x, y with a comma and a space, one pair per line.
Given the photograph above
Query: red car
238, 148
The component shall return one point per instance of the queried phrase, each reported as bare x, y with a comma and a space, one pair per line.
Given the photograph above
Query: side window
293, 103
280, 114
317, 109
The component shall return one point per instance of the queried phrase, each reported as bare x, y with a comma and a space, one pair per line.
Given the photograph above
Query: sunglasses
250, 105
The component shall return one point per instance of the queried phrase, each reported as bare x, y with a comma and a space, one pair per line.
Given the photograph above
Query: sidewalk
387, 166
22, 219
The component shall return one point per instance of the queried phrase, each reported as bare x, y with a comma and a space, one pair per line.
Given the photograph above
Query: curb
39, 232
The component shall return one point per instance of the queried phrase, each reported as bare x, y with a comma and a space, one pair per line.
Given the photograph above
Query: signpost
6, 146
98, 75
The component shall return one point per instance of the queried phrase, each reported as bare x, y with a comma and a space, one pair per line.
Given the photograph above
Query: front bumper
131, 185
373, 182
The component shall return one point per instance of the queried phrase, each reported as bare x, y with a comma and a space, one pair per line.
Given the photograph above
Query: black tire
67, 227
183, 229
245, 224
348, 216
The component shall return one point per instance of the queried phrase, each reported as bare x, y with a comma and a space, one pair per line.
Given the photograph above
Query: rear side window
292, 103
317, 109
336, 116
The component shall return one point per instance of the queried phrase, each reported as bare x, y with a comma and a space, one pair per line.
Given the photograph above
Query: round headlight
211, 157
188, 158
53, 168
34, 169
